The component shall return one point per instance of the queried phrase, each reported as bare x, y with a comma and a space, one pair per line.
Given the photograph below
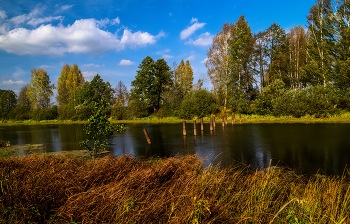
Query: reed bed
43, 189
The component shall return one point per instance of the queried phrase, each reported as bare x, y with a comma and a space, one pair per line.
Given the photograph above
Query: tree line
272, 72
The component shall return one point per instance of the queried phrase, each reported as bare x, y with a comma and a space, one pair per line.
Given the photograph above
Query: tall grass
39, 189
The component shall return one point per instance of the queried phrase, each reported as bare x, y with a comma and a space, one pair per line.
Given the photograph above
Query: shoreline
246, 119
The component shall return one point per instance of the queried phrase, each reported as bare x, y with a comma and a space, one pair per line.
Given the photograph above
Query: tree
297, 57
8, 101
218, 59
261, 56
278, 53
150, 82
320, 46
99, 130
184, 77
68, 82
343, 45
200, 103
121, 98
23, 100
241, 65
39, 89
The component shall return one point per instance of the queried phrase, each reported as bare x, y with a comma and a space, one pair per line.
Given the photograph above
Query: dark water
306, 148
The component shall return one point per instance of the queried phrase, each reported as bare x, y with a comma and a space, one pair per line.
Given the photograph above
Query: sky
112, 37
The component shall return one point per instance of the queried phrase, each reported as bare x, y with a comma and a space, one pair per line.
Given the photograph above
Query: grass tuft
44, 189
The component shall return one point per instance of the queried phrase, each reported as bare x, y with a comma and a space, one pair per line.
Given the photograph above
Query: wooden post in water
226, 119
202, 128
223, 121
184, 128
211, 124
147, 137
240, 118
214, 121
194, 128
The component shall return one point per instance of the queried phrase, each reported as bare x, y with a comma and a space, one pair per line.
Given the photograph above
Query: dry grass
43, 189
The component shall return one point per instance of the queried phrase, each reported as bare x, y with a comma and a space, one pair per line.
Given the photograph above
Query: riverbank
246, 119
46, 189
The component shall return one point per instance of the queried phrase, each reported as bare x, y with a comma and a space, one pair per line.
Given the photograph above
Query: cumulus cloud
65, 7
125, 62
190, 30
10, 82
91, 65
83, 36
165, 56
89, 74
191, 58
194, 20
3, 14
36, 21
115, 21
204, 39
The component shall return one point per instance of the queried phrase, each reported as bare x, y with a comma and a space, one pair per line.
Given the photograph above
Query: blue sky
112, 37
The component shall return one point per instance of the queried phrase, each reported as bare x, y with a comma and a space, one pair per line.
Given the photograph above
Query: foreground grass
45, 189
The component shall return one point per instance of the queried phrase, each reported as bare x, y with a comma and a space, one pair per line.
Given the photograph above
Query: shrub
264, 102
198, 104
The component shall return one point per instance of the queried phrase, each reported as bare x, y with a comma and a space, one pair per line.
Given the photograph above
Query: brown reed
43, 189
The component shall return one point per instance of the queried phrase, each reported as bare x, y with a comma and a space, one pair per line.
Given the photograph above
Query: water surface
306, 148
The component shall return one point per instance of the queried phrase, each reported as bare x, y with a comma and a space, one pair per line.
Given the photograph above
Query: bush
66, 112
45, 114
120, 112
264, 102
318, 100
198, 104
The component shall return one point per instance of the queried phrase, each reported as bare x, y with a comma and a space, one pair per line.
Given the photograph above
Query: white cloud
115, 21
163, 51
205, 39
191, 58
3, 14
46, 66
190, 30
165, 56
91, 65
125, 62
194, 20
25, 17
139, 38
10, 82
83, 36
204, 60
65, 7
89, 74
36, 21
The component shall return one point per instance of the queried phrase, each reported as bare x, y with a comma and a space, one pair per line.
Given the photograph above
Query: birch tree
218, 61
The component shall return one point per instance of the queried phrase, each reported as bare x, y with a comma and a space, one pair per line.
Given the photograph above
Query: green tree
241, 62
278, 53
91, 93
99, 130
320, 46
199, 104
39, 89
8, 101
150, 83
